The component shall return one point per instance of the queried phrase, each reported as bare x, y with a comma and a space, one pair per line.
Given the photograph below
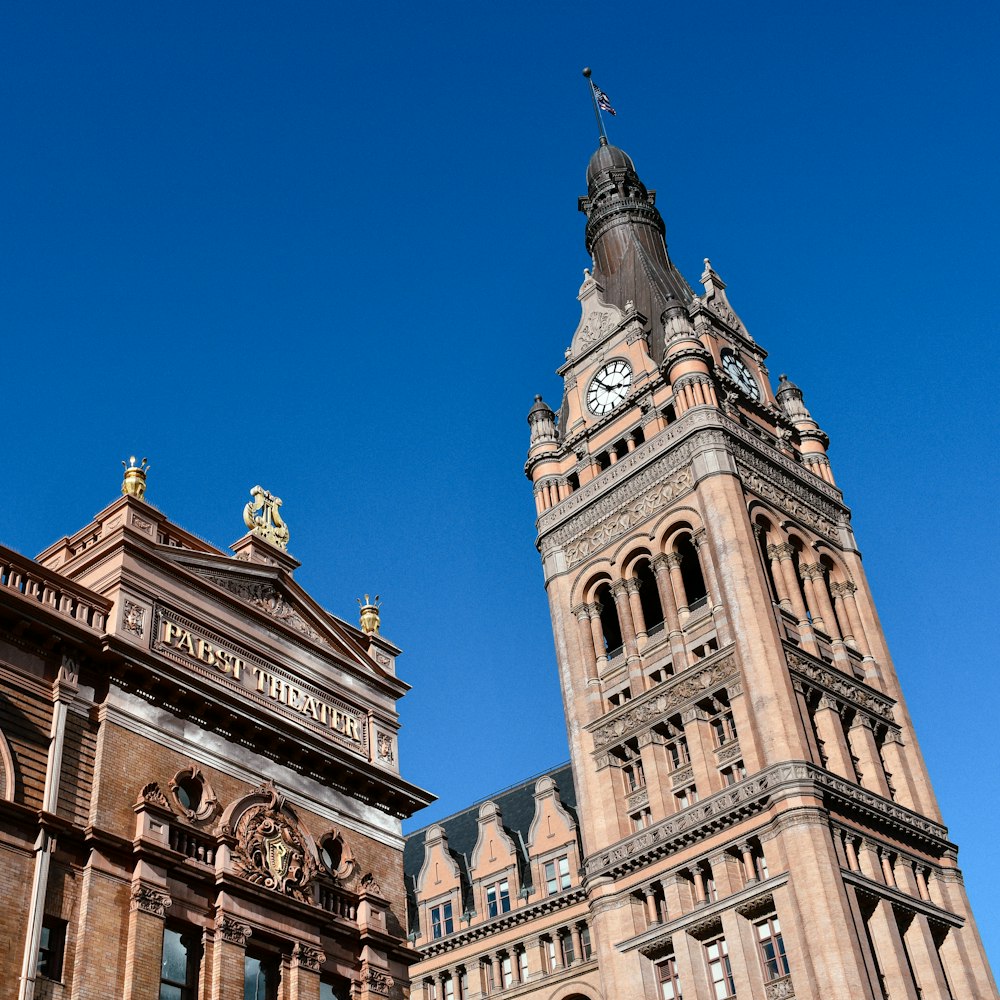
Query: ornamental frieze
622, 470
691, 684
843, 686
266, 597
623, 521
789, 498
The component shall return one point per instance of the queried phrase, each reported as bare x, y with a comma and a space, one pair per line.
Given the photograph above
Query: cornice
818, 674
753, 794
515, 918
904, 900
665, 698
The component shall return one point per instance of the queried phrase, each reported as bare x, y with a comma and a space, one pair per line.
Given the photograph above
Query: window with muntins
670, 981
557, 875
51, 948
498, 898
720, 972
772, 948
179, 965
442, 920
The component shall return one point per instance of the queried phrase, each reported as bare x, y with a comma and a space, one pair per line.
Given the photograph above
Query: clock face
609, 387
740, 374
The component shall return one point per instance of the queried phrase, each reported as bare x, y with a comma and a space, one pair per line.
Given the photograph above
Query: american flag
603, 101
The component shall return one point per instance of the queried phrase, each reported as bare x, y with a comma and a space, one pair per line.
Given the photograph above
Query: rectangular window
686, 797
633, 775
550, 947
772, 948
507, 971
498, 898
557, 875
720, 973
670, 982
449, 988
179, 965
51, 948
442, 921
724, 728
585, 943
260, 978
522, 965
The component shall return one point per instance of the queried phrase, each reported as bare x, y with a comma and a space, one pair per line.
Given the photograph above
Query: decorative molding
375, 980
232, 930
265, 596
142, 524
790, 497
152, 794
271, 852
384, 748
691, 684
370, 885
308, 957
842, 686
133, 617
780, 989
147, 899
758, 906
634, 513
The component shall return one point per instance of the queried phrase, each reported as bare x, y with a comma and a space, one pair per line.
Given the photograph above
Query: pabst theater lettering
176, 637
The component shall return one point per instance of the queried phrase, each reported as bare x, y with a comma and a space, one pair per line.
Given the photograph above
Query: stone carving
843, 686
149, 900
375, 980
370, 885
780, 989
69, 670
757, 906
625, 520
233, 931
152, 794
692, 684
698, 821
142, 524
308, 957
637, 799
270, 851
788, 501
265, 596
384, 748
133, 616
728, 753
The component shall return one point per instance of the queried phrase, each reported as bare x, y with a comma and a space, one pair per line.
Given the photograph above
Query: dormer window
498, 898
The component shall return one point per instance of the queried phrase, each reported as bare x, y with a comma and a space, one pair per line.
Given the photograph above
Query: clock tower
757, 819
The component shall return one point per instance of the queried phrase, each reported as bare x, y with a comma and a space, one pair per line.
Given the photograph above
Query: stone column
831, 731
635, 606
597, 635
574, 932
304, 972
865, 750
621, 592
809, 573
228, 953
780, 584
587, 647
496, 968
700, 893
673, 560
846, 592
894, 759
147, 912
713, 593
652, 912
786, 563
664, 586
749, 869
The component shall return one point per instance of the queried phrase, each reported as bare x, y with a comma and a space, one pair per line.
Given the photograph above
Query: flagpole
597, 109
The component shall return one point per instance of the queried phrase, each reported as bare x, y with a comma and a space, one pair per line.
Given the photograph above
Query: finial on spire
134, 482
370, 618
267, 524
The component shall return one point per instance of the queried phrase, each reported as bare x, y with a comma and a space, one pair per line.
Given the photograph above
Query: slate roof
517, 808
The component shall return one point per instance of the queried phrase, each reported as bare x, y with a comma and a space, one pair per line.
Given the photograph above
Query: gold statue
267, 524
370, 620
134, 483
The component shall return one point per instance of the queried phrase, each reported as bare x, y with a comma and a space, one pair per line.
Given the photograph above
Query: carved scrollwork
133, 618
232, 930
148, 899
271, 852
370, 885
780, 989
308, 957
375, 980
384, 748
265, 596
153, 795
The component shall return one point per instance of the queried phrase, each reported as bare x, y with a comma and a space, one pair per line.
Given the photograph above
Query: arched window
610, 626
694, 581
649, 597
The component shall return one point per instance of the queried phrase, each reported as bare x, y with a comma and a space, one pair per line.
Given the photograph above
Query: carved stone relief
148, 899
133, 618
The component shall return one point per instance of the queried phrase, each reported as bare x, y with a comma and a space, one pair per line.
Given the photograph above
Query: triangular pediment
598, 319
270, 591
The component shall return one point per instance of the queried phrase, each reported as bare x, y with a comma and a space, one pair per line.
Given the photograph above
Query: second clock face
740, 374
609, 387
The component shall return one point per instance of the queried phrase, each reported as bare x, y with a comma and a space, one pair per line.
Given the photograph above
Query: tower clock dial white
741, 375
609, 387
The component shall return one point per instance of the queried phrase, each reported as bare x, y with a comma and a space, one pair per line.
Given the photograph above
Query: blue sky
334, 249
